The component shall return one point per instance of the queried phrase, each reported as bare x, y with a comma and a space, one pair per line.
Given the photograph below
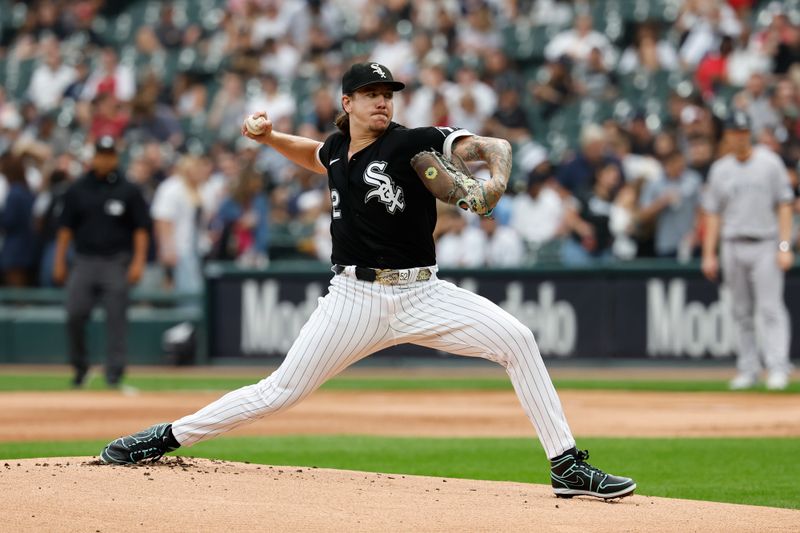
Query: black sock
572, 452
172, 442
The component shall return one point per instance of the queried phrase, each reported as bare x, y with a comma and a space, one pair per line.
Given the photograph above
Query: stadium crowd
614, 109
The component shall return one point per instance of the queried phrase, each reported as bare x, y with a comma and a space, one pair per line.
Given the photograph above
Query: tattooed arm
496, 153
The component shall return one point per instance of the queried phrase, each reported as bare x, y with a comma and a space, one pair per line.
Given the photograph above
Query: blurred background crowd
614, 108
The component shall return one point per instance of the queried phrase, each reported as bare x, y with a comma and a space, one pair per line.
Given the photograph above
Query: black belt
386, 276
362, 273
746, 238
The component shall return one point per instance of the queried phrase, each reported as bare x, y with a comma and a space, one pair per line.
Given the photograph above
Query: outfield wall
647, 310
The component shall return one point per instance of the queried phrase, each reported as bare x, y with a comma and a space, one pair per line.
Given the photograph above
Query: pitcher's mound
79, 494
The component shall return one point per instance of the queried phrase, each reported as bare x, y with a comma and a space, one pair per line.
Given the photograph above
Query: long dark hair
342, 121
14, 169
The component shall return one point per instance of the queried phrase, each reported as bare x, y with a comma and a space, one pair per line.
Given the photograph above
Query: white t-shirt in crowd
461, 250
173, 203
537, 219
48, 85
504, 248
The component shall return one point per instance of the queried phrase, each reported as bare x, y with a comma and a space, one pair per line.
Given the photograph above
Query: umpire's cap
105, 144
363, 74
738, 120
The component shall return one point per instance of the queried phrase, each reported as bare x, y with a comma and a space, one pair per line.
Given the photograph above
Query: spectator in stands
701, 25
503, 247
47, 224
578, 42
588, 218
746, 59
76, 88
280, 58
271, 20
433, 80
786, 101
712, 71
223, 179
479, 32
108, 117
392, 50
648, 53
537, 214
577, 175
178, 219
169, 34
500, 72
556, 13
635, 167
700, 154
188, 96
242, 223
641, 138
672, 203
318, 120
51, 78
147, 43
228, 108
510, 119
622, 222
756, 102
781, 39
594, 79
18, 251
458, 245
556, 88
273, 97
152, 120
470, 101
111, 77
106, 217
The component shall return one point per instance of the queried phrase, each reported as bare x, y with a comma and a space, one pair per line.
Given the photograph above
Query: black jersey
382, 214
104, 213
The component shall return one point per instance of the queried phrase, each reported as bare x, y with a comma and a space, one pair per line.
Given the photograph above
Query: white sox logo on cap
378, 70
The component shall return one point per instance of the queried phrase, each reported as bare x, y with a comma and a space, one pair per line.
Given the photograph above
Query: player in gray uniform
748, 208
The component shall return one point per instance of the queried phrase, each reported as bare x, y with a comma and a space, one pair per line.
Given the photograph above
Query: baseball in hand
255, 125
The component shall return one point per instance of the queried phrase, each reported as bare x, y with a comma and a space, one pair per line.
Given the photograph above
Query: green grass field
747, 471
57, 382
757, 471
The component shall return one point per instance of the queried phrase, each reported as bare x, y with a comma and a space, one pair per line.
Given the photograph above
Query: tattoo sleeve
497, 154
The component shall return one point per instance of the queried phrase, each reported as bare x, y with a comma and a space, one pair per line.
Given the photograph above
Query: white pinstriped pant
357, 318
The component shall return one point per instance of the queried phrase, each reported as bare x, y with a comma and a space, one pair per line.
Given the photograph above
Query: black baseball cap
738, 120
105, 144
363, 74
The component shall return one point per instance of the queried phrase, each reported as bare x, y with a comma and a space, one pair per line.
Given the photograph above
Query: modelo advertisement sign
573, 314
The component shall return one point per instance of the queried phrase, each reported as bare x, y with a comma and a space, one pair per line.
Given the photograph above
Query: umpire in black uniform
108, 219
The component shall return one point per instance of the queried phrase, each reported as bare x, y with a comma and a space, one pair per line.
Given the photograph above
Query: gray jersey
747, 193
674, 222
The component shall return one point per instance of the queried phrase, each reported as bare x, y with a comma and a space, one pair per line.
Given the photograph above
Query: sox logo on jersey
385, 190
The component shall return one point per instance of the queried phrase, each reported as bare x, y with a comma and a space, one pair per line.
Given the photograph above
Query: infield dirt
76, 494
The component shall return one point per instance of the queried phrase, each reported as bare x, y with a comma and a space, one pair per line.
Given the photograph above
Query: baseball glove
450, 181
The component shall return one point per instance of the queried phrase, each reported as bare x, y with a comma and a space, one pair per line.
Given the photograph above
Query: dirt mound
105, 415
78, 494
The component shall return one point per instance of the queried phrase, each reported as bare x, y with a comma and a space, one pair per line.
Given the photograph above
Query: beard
378, 126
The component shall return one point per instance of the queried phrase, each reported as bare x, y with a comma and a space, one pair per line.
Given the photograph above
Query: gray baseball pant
96, 278
750, 270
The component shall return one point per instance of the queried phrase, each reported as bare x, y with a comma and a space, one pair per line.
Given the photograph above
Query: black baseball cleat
148, 445
571, 475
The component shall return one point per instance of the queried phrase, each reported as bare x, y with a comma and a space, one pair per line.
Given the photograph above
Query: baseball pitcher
385, 290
